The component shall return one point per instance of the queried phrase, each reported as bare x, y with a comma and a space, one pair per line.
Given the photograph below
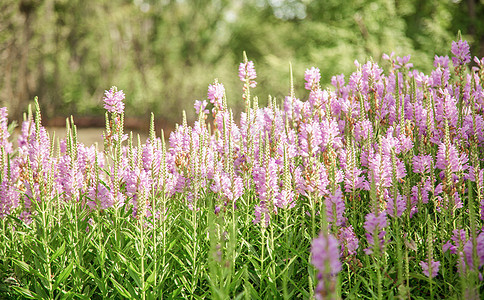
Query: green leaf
134, 274
131, 290
120, 288
151, 278
63, 275
22, 265
26, 292
58, 252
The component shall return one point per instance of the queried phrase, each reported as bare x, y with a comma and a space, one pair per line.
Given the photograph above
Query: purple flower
113, 100
461, 51
69, 178
100, 196
380, 168
335, 207
434, 265
421, 163
247, 72
200, 106
348, 240
9, 197
403, 62
260, 212
325, 254
4, 134
451, 157
468, 251
215, 94
442, 61
374, 226
312, 77
396, 207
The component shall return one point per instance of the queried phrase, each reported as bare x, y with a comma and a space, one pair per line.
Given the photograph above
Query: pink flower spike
113, 100
425, 268
461, 51
200, 106
215, 94
247, 72
312, 77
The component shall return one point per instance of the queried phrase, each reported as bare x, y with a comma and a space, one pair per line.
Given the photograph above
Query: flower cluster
113, 100
401, 144
325, 257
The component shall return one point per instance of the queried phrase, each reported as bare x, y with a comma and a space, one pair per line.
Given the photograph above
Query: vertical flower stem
262, 272
286, 256
142, 256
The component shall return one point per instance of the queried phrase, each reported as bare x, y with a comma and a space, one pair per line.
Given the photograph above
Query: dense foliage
370, 189
65, 52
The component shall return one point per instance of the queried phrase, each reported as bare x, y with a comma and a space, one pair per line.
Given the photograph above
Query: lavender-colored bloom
363, 130
380, 169
335, 207
348, 241
354, 181
232, 189
247, 72
461, 51
260, 212
310, 138
325, 253
325, 257
113, 100
4, 134
456, 161
200, 106
442, 61
312, 77
403, 62
374, 226
9, 197
434, 265
100, 196
421, 163
396, 206
389, 57
285, 199
215, 94
69, 177
468, 251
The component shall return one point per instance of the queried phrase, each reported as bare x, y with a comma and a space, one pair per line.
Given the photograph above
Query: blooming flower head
461, 52
403, 62
442, 61
374, 225
247, 71
348, 240
200, 106
113, 100
426, 268
335, 207
421, 163
451, 157
215, 94
4, 134
312, 77
325, 253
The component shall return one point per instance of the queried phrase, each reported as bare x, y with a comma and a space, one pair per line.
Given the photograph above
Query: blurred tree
163, 54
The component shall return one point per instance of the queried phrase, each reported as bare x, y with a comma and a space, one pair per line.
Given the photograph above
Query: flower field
369, 189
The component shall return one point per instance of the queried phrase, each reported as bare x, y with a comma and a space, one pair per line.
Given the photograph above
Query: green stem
142, 255
286, 256
261, 284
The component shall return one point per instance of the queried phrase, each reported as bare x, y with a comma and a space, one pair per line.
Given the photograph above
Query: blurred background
165, 53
